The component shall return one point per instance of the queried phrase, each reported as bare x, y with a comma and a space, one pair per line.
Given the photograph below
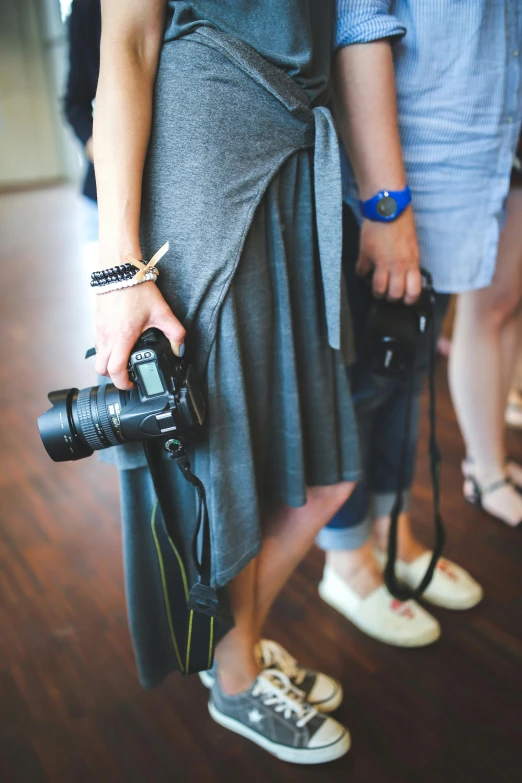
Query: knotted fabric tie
329, 217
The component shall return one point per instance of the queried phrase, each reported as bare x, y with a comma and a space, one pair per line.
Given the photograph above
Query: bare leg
482, 362
408, 548
235, 652
514, 408
510, 248
290, 532
357, 567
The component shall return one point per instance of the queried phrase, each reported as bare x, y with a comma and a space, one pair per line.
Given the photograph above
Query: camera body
394, 331
166, 402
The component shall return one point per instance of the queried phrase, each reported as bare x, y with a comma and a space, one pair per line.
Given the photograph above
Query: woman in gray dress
211, 133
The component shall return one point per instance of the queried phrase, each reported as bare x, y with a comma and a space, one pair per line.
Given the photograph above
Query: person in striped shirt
458, 106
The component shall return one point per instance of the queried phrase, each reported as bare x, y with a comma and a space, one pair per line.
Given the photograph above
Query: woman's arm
365, 103
131, 39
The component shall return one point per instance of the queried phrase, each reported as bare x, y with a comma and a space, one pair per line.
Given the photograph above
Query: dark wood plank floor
71, 709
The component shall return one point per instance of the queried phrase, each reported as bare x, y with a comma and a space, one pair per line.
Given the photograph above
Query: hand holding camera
164, 403
391, 251
122, 316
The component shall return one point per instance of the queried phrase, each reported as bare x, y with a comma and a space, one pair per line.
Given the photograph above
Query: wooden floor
71, 710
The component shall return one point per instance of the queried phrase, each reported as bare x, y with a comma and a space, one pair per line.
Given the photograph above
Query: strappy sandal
475, 494
513, 472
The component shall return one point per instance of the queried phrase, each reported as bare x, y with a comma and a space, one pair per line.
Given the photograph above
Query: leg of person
451, 586
290, 533
266, 706
235, 657
384, 470
346, 538
487, 325
352, 581
509, 262
514, 404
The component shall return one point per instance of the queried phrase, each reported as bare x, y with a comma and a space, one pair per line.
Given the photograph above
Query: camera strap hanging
396, 588
195, 612
203, 597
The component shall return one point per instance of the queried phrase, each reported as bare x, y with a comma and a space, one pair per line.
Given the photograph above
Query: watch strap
386, 205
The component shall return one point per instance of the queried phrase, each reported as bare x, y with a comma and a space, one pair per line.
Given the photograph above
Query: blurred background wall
35, 145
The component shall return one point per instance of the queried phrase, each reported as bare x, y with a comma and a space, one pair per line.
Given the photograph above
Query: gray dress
242, 177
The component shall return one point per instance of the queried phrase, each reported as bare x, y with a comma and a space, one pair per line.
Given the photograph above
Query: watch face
387, 207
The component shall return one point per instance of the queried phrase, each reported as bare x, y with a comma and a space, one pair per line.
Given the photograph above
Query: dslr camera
394, 331
166, 402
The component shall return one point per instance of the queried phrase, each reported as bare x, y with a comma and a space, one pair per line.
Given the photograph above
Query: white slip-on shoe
380, 615
322, 692
451, 587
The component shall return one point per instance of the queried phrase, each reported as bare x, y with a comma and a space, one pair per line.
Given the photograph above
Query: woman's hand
121, 317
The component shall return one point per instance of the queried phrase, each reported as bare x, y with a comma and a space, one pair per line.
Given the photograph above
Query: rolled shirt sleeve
362, 21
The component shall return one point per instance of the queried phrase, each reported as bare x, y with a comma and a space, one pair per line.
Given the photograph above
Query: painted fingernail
182, 350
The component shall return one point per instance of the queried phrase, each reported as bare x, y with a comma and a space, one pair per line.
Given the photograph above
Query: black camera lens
80, 422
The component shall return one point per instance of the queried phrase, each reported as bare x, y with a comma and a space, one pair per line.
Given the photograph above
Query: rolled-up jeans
381, 407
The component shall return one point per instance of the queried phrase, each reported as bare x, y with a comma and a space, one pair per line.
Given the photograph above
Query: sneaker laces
275, 690
271, 654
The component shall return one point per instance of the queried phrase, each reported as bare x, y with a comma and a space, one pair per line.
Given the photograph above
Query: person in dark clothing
84, 29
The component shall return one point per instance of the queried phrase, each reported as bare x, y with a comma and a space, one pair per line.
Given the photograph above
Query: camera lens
81, 422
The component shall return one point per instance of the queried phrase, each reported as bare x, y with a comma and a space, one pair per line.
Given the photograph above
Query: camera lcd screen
151, 378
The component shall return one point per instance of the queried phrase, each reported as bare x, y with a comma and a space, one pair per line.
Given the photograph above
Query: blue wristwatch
386, 205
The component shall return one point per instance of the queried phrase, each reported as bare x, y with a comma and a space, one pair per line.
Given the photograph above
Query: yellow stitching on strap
181, 566
189, 641
180, 563
210, 643
164, 583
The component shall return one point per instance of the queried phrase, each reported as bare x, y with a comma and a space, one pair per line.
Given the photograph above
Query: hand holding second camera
390, 250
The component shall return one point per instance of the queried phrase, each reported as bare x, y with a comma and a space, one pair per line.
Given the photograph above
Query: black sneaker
274, 715
322, 692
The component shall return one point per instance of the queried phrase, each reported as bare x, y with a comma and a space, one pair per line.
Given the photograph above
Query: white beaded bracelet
124, 277
106, 289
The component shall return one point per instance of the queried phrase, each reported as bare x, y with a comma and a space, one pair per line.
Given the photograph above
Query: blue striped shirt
459, 92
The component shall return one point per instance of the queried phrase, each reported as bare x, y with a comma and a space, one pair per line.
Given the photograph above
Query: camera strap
202, 597
396, 588
192, 614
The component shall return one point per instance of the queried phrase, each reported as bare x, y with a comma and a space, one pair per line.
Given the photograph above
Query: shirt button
515, 53
510, 120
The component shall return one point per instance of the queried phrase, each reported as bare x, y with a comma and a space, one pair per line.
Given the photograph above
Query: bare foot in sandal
500, 499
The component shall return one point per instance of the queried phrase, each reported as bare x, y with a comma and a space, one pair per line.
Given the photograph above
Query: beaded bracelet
126, 283
132, 273
113, 275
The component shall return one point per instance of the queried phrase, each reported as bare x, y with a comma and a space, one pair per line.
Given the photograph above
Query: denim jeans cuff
381, 503
341, 538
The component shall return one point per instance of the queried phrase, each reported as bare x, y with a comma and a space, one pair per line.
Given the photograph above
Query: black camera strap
396, 588
192, 613
203, 597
